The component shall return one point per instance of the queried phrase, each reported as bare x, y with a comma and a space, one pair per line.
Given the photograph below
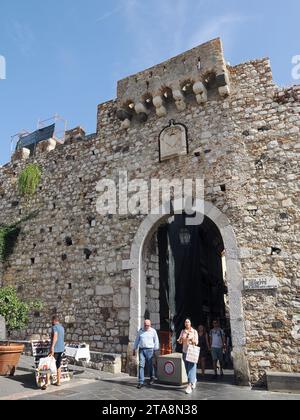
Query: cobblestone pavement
93, 385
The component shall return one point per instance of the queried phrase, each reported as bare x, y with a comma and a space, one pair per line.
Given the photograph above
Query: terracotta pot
9, 358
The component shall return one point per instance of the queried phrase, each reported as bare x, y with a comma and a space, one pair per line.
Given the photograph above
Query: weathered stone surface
104, 290
22, 154
121, 301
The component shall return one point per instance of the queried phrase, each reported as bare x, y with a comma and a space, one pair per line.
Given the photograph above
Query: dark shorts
58, 358
217, 354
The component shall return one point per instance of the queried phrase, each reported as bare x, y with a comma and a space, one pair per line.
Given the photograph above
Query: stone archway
235, 282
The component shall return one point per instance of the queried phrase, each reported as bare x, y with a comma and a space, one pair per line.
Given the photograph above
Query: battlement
189, 73
195, 79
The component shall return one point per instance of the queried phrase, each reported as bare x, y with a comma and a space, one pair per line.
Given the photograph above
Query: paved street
93, 385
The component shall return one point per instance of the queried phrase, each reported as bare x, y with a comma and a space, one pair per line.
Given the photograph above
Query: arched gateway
234, 276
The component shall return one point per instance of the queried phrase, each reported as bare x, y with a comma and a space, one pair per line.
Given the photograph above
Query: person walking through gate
188, 337
217, 345
148, 343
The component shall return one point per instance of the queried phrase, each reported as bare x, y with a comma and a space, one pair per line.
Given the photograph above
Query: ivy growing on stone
9, 235
8, 239
29, 179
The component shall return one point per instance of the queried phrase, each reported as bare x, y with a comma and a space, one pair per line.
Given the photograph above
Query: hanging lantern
185, 236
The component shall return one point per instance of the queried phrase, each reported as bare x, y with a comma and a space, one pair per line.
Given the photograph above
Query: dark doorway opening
192, 278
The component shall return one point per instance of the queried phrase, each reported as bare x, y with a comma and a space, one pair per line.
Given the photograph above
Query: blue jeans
146, 357
191, 370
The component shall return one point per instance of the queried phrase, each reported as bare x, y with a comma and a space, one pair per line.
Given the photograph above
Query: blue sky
65, 56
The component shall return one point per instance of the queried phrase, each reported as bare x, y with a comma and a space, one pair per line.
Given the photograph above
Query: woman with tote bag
189, 339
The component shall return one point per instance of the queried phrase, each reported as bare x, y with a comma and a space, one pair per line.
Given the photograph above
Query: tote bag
48, 364
193, 354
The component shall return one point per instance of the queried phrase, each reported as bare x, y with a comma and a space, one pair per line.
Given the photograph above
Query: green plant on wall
29, 179
9, 235
8, 239
15, 311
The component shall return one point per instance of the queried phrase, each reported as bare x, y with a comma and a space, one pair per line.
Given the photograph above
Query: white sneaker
194, 385
189, 390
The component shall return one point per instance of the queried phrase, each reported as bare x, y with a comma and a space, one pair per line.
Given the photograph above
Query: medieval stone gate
235, 283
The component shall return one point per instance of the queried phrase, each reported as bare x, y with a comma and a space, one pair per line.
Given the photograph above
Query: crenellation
169, 80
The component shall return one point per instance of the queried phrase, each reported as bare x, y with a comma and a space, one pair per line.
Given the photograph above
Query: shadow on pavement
227, 379
27, 381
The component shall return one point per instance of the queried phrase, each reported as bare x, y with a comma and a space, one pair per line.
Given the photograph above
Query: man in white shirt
148, 343
217, 344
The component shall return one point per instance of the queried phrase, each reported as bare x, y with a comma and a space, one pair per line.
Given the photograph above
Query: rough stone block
46, 146
121, 301
283, 382
104, 290
22, 154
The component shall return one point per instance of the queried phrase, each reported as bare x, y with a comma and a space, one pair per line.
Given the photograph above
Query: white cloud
162, 29
158, 31
221, 26
110, 14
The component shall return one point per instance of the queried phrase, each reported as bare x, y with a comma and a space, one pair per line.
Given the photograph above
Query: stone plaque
173, 141
263, 283
2, 329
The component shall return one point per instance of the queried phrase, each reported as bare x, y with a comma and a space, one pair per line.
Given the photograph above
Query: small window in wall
275, 250
69, 241
69, 286
91, 221
32, 261
87, 253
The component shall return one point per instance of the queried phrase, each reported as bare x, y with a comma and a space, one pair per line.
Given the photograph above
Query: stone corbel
200, 92
161, 110
224, 91
142, 112
179, 100
125, 117
223, 84
126, 124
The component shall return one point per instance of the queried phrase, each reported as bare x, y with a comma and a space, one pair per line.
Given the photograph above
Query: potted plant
16, 314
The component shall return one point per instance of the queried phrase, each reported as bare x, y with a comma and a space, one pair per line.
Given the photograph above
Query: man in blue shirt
57, 345
147, 342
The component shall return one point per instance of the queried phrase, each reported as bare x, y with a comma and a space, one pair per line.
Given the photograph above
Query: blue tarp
30, 140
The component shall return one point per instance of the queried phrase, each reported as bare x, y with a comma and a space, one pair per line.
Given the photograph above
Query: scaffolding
56, 126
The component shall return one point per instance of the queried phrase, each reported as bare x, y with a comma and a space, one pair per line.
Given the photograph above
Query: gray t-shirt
60, 344
217, 336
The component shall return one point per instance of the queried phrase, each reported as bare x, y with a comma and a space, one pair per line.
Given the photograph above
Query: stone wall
245, 145
152, 282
